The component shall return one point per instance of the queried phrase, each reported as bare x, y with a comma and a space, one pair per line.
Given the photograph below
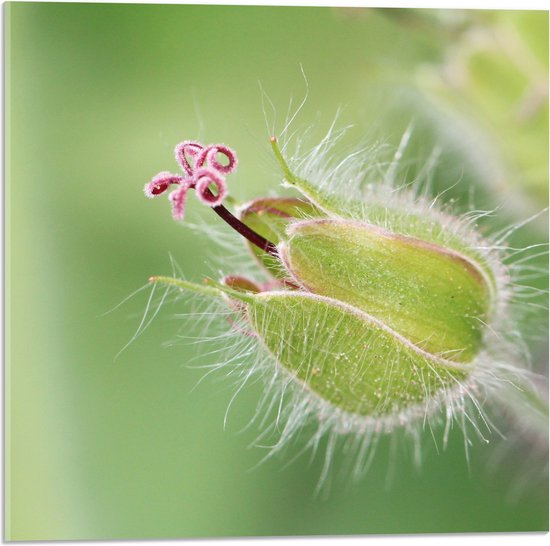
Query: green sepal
347, 357
208, 288
434, 297
324, 201
401, 221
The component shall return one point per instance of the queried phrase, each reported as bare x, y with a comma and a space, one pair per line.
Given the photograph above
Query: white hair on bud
288, 409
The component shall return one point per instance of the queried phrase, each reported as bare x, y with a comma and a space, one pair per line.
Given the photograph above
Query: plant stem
245, 231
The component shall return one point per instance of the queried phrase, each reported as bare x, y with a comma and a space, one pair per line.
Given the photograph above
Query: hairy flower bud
379, 310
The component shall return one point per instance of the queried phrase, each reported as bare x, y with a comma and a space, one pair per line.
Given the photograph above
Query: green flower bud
380, 323
378, 310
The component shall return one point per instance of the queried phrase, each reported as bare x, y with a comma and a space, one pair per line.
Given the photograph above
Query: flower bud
379, 322
377, 310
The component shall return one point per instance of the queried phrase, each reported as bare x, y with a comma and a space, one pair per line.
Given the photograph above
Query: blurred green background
97, 96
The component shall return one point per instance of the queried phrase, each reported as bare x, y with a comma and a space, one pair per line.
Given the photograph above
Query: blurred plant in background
487, 97
96, 95
490, 93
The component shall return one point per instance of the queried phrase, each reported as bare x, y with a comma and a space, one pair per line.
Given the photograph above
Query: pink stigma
204, 172
202, 169
206, 177
211, 158
185, 149
160, 183
178, 197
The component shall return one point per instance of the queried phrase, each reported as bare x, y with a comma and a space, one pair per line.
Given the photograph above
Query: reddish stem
248, 233
245, 231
